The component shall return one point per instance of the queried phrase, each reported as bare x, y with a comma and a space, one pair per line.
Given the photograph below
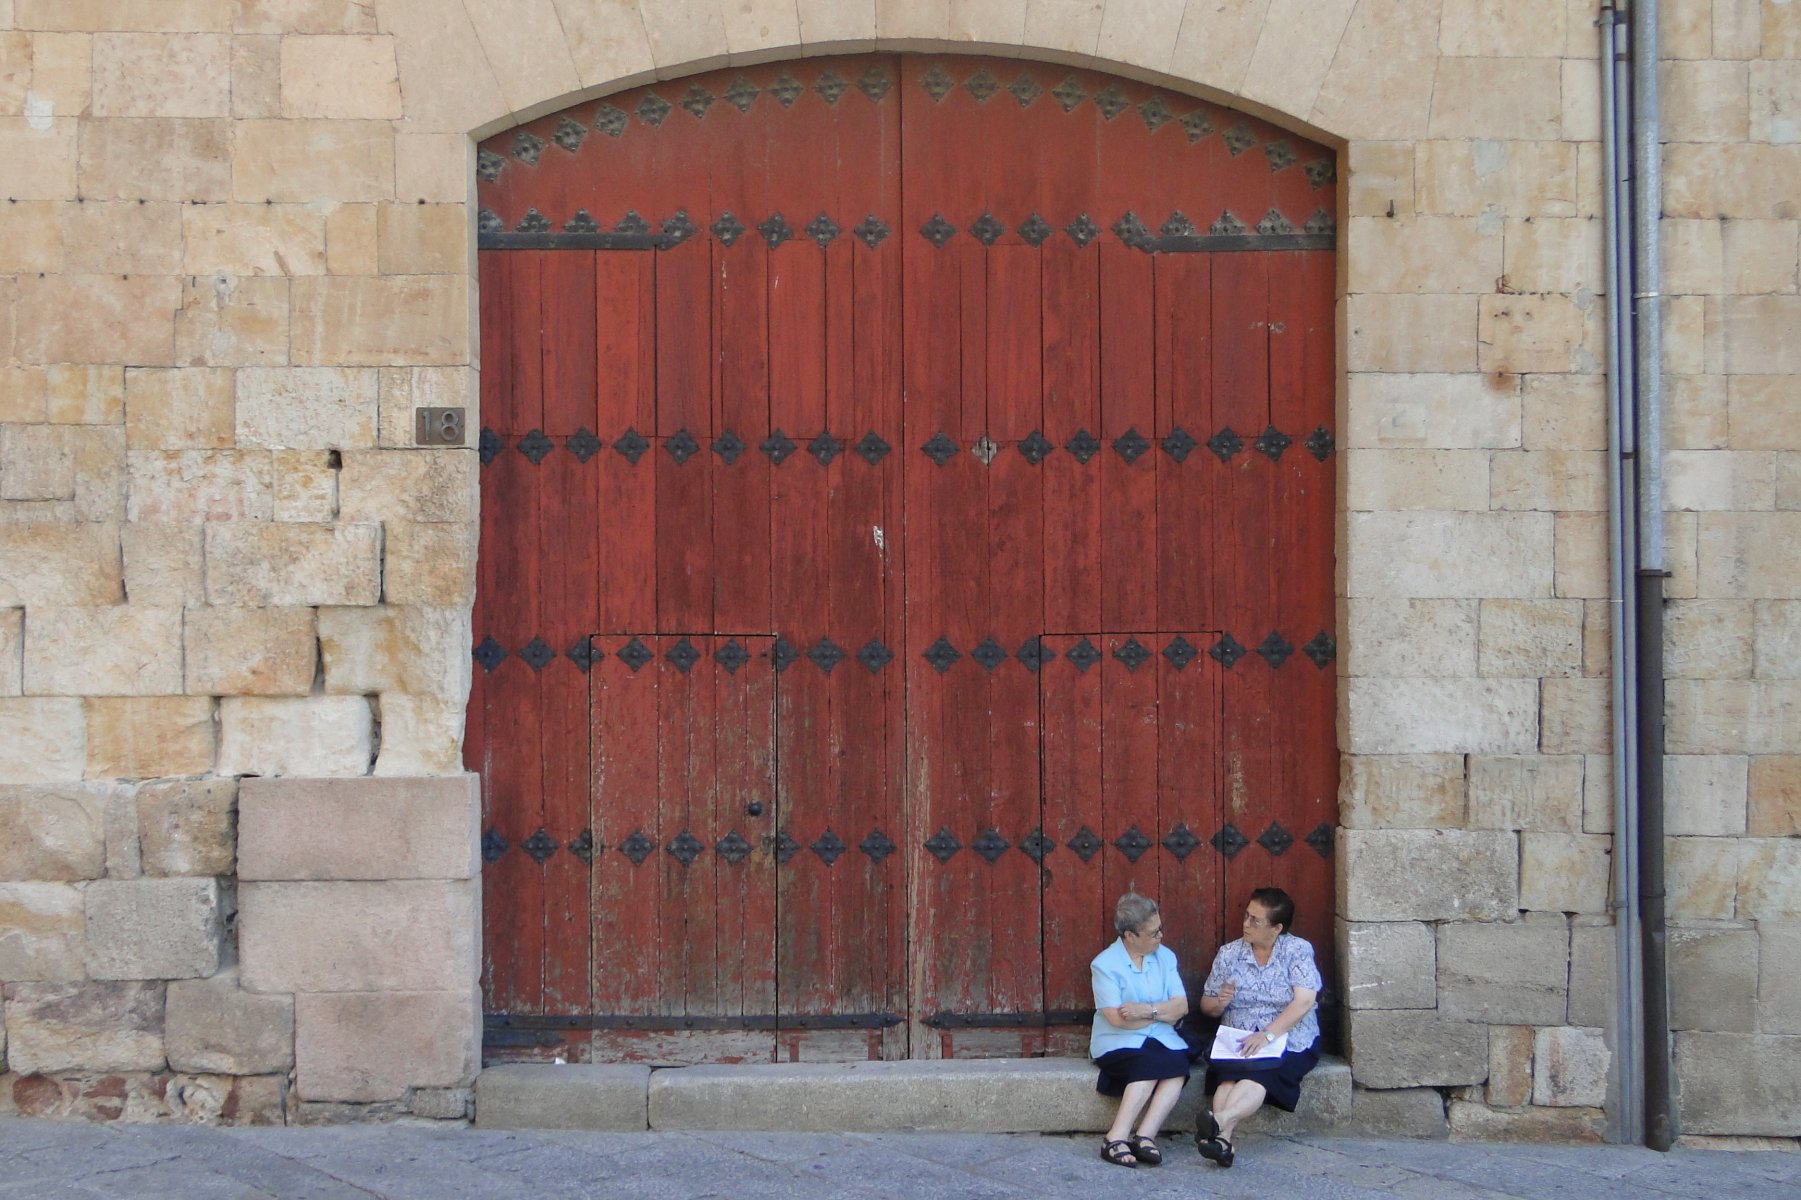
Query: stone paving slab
48, 1161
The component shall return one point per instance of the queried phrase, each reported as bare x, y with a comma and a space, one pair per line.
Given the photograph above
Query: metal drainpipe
1626, 1107
1647, 212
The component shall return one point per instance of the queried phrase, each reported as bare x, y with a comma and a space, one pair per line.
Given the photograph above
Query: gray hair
1132, 912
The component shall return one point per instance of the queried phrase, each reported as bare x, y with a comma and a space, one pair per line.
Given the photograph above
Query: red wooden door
983, 408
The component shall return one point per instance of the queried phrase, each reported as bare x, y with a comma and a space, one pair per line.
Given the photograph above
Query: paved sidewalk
50, 1161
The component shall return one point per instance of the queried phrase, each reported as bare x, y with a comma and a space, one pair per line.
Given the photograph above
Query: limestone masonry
238, 868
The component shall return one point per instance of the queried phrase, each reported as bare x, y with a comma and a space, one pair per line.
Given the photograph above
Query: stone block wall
235, 253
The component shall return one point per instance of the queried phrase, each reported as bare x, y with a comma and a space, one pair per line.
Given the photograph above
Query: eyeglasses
1256, 922
1154, 933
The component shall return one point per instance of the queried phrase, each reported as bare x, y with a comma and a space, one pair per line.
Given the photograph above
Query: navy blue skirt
1131, 1064
1280, 1077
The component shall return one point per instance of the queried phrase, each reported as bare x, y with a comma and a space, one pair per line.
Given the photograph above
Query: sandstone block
250, 651
1774, 805
59, 564
420, 735
1580, 554
579, 1096
1718, 480
410, 485
46, 740
1401, 791
1474, 1122
1549, 481
1576, 716
1713, 975
303, 161
1491, 175
1449, 412
41, 162
370, 829
1479, 555
213, 1025
1531, 637
52, 832
37, 462
1592, 951
342, 77
1706, 794
1427, 716
291, 564
119, 650
141, 737
42, 932
1717, 716
369, 1046
420, 320
1760, 256
1471, 29
84, 1027
417, 650
12, 636
155, 159
141, 239
1378, 173
1396, 1113
153, 928
232, 321
1561, 872
1388, 964
424, 239
1505, 971
163, 563
1701, 877
1770, 879
1779, 957
1415, 479
1554, 254
1410, 334
1776, 640
312, 735
1742, 180
442, 1104
432, 168
403, 935
306, 408
1426, 875
178, 409
200, 485
1548, 333
1742, 555
255, 77
97, 318
1708, 100
1708, 639
304, 16
1737, 1083
1510, 1065
1397, 1049
306, 485
84, 395
1423, 254
352, 243
1537, 792
253, 239
186, 826
430, 565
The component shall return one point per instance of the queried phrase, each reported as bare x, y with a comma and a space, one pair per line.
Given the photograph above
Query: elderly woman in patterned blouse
1265, 982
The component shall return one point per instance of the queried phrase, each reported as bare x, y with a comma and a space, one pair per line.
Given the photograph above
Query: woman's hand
1254, 1041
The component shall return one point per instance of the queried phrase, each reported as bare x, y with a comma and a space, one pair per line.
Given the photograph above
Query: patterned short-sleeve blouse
1264, 991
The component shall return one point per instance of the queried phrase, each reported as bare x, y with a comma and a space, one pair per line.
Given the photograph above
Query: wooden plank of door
1242, 546
741, 514
1188, 751
515, 927
1129, 764
631, 927
1301, 392
1126, 464
743, 869
625, 544
1077, 913
568, 608
686, 789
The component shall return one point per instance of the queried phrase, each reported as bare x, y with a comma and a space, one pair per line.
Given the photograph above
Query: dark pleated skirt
1280, 1077
1153, 1060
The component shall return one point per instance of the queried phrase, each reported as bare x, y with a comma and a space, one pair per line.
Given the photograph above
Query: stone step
1042, 1095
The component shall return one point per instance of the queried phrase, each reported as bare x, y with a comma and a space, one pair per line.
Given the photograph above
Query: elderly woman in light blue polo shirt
1138, 998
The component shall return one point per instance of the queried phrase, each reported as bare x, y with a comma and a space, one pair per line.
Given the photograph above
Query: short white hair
1132, 912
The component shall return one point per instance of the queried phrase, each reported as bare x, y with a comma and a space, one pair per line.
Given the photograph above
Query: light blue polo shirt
1117, 981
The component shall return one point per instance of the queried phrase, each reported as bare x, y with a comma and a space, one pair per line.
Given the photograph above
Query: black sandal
1217, 1149
1145, 1150
1119, 1154
1205, 1129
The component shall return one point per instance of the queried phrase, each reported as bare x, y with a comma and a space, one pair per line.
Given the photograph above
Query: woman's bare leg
1130, 1105
1163, 1099
1245, 1099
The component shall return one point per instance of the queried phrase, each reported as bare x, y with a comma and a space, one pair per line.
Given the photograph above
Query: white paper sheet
1225, 1044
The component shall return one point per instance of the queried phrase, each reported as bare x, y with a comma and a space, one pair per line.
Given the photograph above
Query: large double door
907, 509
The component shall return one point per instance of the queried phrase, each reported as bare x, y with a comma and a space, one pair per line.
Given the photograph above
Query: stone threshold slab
1040, 1095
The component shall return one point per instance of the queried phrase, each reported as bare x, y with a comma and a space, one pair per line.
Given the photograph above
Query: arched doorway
907, 523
